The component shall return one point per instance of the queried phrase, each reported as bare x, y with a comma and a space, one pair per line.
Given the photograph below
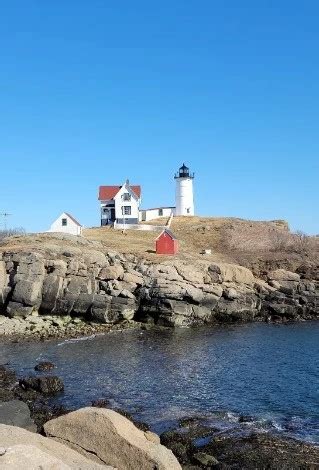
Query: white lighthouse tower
184, 191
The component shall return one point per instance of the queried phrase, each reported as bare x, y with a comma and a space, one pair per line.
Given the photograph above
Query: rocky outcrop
112, 438
19, 446
62, 285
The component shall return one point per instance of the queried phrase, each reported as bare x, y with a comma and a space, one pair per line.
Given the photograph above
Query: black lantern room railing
184, 172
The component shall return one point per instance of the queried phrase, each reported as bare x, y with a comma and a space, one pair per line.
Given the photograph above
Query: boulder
237, 274
44, 366
109, 309
206, 460
56, 266
93, 257
283, 275
112, 438
230, 293
17, 309
83, 303
52, 288
32, 458
190, 273
16, 413
133, 277
48, 385
80, 285
28, 292
111, 272
162, 271
19, 446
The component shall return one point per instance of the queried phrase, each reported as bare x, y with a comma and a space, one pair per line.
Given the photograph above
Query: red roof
168, 232
109, 192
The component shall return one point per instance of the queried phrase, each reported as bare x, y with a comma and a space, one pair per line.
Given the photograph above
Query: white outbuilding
66, 223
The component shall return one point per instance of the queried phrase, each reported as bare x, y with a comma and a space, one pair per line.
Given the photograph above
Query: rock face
24, 449
31, 456
112, 438
16, 413
62, 283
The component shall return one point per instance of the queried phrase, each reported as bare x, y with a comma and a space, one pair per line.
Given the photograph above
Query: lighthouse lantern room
184, 191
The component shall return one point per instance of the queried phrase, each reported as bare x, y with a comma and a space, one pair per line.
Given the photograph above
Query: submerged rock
44, 366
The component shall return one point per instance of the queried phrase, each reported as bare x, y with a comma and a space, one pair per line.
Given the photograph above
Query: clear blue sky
94, 92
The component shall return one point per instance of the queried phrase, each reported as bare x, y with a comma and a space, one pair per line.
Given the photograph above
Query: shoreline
192, 439
82, 328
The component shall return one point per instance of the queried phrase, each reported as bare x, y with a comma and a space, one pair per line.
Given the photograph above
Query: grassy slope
250, 243
258, 245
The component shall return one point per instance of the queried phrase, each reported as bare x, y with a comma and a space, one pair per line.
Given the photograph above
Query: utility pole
5, 216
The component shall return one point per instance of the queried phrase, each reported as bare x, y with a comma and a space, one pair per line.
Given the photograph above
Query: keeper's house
120, 204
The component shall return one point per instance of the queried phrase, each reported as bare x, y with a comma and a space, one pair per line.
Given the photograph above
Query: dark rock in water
7, 381
194, 427
189, 421
101, 403
180, 451
16, 413
6, 395
44, 366
262, 451
205, 460
245, 419
180, 444
48, 385
191, 467
7, 376
142, 426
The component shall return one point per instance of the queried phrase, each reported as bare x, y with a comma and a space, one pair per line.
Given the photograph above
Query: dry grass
257, 245
230, 239
131, 241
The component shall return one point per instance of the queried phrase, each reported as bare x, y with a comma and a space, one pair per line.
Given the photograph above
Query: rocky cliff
73, 278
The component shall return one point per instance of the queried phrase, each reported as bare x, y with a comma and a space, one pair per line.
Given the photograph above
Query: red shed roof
109, 192
168, 232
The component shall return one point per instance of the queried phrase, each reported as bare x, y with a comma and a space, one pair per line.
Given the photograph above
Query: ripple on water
267, 372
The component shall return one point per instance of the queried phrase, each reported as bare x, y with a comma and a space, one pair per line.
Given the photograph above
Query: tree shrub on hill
11, 232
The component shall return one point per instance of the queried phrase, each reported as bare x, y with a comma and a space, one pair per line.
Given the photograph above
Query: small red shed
166, 243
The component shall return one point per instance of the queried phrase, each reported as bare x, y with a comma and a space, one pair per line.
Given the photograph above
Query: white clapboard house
66, 223
120, 204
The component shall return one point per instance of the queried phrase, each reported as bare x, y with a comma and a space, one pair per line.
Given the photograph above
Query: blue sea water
268, 372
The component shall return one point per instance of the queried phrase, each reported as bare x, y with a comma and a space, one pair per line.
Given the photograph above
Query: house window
126, 210
126, 197
64, 222
160, 212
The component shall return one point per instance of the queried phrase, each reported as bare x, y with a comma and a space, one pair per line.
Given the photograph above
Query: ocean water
269, 373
